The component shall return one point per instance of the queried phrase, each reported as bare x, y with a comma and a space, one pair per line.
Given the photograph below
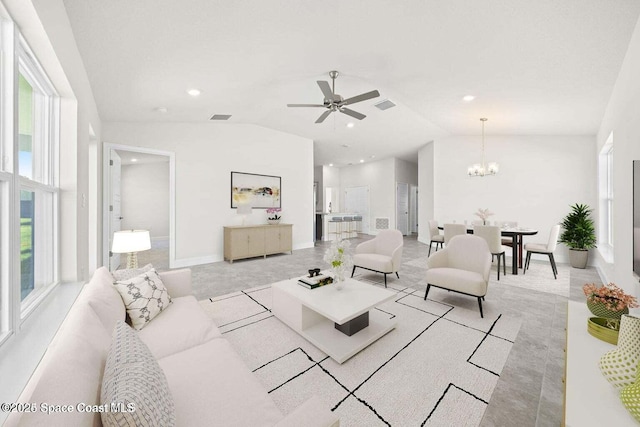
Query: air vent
382, 223
384, 105
220, 117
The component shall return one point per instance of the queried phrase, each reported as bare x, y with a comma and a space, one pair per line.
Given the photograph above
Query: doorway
402, 207
139, 193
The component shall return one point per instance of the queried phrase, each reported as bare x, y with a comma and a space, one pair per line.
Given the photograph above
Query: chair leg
553, 266
526, 263
430, 246
504, 263
353, 271
427, 291
499, 266
385, 280
397, 275
480, 305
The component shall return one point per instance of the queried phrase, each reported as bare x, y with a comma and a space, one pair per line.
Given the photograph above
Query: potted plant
579, 234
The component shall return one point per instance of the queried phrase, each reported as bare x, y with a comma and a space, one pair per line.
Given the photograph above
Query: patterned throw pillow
130, 273
144, 296
134, 386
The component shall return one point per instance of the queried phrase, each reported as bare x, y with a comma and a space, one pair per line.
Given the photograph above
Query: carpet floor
438, 367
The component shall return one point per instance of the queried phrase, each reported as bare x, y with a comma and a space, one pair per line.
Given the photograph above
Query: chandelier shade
482, 169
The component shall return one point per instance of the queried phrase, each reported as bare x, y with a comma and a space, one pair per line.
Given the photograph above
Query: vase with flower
272, 216
339, 260
483, 214
608, 303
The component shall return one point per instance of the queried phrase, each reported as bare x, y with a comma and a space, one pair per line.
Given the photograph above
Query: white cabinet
256, 240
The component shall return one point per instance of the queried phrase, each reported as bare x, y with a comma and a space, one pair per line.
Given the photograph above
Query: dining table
517, 235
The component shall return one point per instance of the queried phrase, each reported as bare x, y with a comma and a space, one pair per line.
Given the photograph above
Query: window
606, 222
29, 115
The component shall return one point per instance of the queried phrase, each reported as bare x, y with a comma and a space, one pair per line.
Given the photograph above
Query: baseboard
154, 239
305, 245
188, 262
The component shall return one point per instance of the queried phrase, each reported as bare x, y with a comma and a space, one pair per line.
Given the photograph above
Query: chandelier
482, 169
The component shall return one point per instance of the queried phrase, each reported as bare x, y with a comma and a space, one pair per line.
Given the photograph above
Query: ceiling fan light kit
482, 169
334, 102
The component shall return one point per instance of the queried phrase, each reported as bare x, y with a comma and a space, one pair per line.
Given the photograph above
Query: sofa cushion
70, 372
144, 296
465, 281
375, 262
130, 273
105, 300
180, 326
133, 379
211, 386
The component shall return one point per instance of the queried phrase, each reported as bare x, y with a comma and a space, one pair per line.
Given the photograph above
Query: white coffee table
338, 322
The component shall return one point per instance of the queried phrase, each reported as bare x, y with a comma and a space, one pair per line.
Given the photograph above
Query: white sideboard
247, 241
589, 398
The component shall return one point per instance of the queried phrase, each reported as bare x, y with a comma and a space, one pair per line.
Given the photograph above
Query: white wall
621, 118
540, 177
380, 177
331, 179
426, 191
406, 172
205, 154
145, 198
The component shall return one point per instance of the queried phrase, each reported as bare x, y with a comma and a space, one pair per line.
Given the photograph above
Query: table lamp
131, 242
244, 210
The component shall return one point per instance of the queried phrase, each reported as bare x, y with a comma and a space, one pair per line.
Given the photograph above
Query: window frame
606, 200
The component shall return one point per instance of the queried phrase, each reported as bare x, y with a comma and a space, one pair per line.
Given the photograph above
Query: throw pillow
134, 387
130, 273
144, 296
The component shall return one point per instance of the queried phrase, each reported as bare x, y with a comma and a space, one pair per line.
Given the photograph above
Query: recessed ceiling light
350, 125
161, 109
469, 98
193, 92
373, 156
331, 164
134, 160
361, 160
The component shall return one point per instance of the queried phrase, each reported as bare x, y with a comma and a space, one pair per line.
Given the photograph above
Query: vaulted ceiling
535, 67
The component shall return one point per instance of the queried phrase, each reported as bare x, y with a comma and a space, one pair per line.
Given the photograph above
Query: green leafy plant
579, 231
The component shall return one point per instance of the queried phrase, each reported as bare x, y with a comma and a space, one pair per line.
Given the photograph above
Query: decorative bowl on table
273, 221
597, 327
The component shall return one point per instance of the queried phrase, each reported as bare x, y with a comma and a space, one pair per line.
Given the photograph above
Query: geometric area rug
438, 367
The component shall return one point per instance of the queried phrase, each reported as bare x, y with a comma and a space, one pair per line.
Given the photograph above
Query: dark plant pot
578, 258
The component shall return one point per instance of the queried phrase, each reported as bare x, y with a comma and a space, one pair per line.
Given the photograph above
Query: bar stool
357, 220
346, 225
337, 227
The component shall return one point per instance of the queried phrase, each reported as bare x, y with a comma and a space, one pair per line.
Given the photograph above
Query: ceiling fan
334, 102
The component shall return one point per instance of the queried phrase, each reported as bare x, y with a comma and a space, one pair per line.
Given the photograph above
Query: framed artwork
257, 191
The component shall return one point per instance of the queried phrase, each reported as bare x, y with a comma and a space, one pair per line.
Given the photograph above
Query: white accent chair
462, 266
492, 235
451, 230
381, 254
544, 249
436, 237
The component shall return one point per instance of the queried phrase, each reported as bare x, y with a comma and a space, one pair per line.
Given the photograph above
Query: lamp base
132, 260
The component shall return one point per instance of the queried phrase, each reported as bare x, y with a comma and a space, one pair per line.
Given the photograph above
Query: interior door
402, 207
413, 209
115, 209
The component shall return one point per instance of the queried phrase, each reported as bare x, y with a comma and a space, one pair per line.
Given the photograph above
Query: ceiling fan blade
326, 89
306, 105
323, 116
361, 97
352, 113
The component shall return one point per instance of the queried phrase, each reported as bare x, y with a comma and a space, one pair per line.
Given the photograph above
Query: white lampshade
126, 241
244, 209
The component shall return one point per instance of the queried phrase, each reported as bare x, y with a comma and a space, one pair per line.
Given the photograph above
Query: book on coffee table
314, 282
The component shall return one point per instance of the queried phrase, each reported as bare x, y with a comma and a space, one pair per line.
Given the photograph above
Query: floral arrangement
483, 214
613, 298
338, 257
273, 213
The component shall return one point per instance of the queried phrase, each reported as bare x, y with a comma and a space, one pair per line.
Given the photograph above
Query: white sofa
210, 384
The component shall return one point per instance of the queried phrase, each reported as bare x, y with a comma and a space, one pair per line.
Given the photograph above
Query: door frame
106, 193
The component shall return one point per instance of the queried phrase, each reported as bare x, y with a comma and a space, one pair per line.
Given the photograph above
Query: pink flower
613, 298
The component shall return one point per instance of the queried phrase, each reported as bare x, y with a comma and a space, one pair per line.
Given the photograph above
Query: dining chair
436, 237
544, 249
507, 241
492, 235
451, 230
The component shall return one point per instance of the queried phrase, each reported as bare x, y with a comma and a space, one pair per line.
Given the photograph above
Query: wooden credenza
247, 241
